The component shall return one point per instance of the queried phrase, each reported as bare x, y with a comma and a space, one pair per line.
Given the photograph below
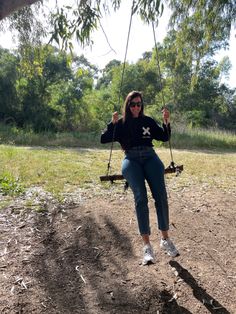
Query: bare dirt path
85, 257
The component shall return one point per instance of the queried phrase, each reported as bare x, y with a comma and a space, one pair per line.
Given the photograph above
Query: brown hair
126, 109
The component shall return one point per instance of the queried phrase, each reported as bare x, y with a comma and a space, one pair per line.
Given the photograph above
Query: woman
135, 132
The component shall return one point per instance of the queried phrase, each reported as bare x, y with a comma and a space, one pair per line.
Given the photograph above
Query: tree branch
7, 7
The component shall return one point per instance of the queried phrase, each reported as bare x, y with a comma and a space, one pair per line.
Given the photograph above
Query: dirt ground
85, 257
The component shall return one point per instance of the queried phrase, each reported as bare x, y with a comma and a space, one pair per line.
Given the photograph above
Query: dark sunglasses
133, 104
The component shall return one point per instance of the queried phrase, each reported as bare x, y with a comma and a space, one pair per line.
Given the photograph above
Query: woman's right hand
115, 117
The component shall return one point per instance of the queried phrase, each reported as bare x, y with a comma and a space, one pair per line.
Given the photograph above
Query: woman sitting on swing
135, 132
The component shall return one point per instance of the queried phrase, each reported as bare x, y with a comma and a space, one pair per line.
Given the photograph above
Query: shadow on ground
211, 304
81, 266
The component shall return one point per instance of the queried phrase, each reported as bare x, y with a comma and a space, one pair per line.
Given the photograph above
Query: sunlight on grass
216, 170
207, 139
182, 137
64, 170
11, 135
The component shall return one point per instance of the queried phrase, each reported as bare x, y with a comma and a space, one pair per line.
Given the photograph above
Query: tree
203, 27
43, 89
210, 18
81, 19
8, 77
199, 29
8, 7
106, 77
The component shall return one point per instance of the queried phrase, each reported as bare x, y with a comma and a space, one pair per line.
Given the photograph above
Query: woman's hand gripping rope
166, 115
115, 117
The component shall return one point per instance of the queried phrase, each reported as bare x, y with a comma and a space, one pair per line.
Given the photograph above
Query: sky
141, 40
116, 28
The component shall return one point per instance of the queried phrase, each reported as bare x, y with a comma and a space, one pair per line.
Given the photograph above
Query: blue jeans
142, 163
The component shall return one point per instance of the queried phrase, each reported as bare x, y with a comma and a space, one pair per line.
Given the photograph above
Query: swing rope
172, 167
161, 85
121, 84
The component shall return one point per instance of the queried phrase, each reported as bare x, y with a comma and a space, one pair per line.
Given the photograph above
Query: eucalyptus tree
202, 28
8, 7
200, 22
105, 78
212, 101
50, 91
9, 106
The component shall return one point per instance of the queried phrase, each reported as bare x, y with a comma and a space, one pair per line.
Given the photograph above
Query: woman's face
135, 106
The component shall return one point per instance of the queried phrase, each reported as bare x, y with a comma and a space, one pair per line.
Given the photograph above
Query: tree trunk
7, 7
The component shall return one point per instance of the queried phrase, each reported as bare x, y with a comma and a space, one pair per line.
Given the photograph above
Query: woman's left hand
166, 115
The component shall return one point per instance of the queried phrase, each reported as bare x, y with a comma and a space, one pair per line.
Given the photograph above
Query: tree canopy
46, 88
198, 22
8, 7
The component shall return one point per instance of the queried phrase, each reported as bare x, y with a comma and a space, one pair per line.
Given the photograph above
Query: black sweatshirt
136, 132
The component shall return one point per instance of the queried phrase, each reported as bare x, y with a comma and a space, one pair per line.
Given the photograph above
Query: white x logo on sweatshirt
146, 131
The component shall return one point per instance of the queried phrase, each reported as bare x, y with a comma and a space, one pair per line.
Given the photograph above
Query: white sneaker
169, 247
148, 256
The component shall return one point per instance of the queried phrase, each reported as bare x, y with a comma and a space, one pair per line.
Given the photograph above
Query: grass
209, 158
66, 170
10, 185
183, 138
15, 136
52, 169
204, 139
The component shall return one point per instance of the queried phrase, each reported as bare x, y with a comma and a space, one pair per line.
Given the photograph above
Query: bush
9, 185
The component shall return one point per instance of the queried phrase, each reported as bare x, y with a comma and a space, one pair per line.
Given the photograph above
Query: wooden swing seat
172, 168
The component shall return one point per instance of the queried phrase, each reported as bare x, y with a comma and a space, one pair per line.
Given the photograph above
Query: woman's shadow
199, 293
